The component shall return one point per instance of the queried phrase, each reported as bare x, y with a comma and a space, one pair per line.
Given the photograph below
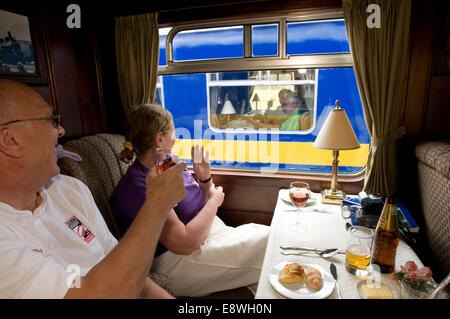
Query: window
265, 40
256, 93
261, 100
317, 37
213, 43
159, 94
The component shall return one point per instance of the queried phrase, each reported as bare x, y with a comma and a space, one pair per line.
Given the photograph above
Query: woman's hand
200, 162
216, 195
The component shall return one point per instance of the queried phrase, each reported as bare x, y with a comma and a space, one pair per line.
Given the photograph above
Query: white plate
393, 287
284, 195
301, 290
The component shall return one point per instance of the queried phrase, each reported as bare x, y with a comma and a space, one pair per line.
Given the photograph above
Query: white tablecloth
324, 229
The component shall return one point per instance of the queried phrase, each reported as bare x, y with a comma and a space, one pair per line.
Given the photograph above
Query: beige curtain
379, 56
137, 55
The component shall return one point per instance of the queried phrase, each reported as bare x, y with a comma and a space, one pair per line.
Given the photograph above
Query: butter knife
333, 271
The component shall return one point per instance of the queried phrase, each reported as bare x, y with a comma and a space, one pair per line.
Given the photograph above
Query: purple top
130, 193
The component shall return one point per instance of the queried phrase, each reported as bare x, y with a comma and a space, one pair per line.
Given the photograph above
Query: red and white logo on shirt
80, 229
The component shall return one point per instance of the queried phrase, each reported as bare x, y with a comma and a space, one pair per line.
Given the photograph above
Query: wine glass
165, 159
299, 193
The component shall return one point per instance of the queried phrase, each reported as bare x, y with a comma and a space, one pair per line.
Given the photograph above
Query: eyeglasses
54, 119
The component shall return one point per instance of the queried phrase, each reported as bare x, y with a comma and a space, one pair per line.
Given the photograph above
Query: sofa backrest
434, 186
100, 169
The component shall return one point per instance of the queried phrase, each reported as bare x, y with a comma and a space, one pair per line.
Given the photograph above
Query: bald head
16, 99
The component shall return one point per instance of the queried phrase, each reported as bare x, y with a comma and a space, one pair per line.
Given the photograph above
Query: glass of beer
165, 159
357, 256
299, 193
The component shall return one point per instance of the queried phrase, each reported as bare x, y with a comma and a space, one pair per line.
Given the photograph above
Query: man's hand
167, 188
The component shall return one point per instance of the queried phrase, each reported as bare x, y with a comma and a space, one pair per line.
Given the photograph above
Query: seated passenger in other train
290, 116
196, 250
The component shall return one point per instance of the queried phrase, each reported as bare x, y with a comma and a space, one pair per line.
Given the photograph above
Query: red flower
411, 271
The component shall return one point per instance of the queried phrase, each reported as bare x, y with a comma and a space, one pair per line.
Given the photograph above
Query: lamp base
329, 197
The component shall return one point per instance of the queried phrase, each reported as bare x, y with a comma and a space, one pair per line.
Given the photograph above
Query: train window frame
261, 63
249, 62
160, 87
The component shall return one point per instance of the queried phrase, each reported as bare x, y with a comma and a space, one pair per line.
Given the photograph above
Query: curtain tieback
383, 140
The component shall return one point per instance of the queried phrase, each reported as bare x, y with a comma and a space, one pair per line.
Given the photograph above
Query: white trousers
231, 257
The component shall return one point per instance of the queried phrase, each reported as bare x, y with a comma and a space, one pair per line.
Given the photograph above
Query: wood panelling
425, 104
239, 217
244, 9
64, 69
70, 65
438, 112
427, 100
73, 53
441, 61
419, 67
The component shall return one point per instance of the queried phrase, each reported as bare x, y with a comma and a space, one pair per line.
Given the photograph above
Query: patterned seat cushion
436, 155
100, 170
434, 186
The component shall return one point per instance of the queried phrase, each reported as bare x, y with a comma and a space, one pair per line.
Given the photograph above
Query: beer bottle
386, 237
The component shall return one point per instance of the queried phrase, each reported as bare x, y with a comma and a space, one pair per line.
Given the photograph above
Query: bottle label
389, 221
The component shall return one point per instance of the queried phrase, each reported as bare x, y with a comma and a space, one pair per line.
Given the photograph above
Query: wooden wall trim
419, 68
245, 9
438, 111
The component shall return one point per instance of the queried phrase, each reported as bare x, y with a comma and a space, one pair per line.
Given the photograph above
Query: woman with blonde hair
196, 250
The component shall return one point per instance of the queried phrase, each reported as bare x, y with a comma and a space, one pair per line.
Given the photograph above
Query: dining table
322, 226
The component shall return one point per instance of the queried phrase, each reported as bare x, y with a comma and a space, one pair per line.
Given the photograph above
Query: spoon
327, 253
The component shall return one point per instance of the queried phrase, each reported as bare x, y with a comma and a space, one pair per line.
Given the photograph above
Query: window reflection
271, 99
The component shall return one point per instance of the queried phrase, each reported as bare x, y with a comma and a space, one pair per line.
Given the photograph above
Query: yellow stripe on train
303, 153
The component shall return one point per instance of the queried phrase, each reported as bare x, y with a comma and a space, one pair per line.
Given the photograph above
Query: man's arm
123, 272
153, 291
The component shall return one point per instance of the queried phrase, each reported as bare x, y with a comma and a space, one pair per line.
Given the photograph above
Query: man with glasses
54, 242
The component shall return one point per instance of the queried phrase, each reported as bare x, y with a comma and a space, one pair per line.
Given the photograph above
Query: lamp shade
228, 108
337, 132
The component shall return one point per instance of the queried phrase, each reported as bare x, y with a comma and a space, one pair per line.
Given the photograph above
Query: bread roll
291, 273
312, 270
313, 278
314, 281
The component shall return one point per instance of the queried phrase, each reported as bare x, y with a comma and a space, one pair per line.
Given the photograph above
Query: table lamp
228, 108
336, 134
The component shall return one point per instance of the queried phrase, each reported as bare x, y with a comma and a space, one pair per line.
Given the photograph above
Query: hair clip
128, 146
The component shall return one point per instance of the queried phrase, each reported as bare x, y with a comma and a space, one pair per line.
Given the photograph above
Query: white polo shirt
42, 251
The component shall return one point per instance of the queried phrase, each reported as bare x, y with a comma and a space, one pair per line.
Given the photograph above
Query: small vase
416, 290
